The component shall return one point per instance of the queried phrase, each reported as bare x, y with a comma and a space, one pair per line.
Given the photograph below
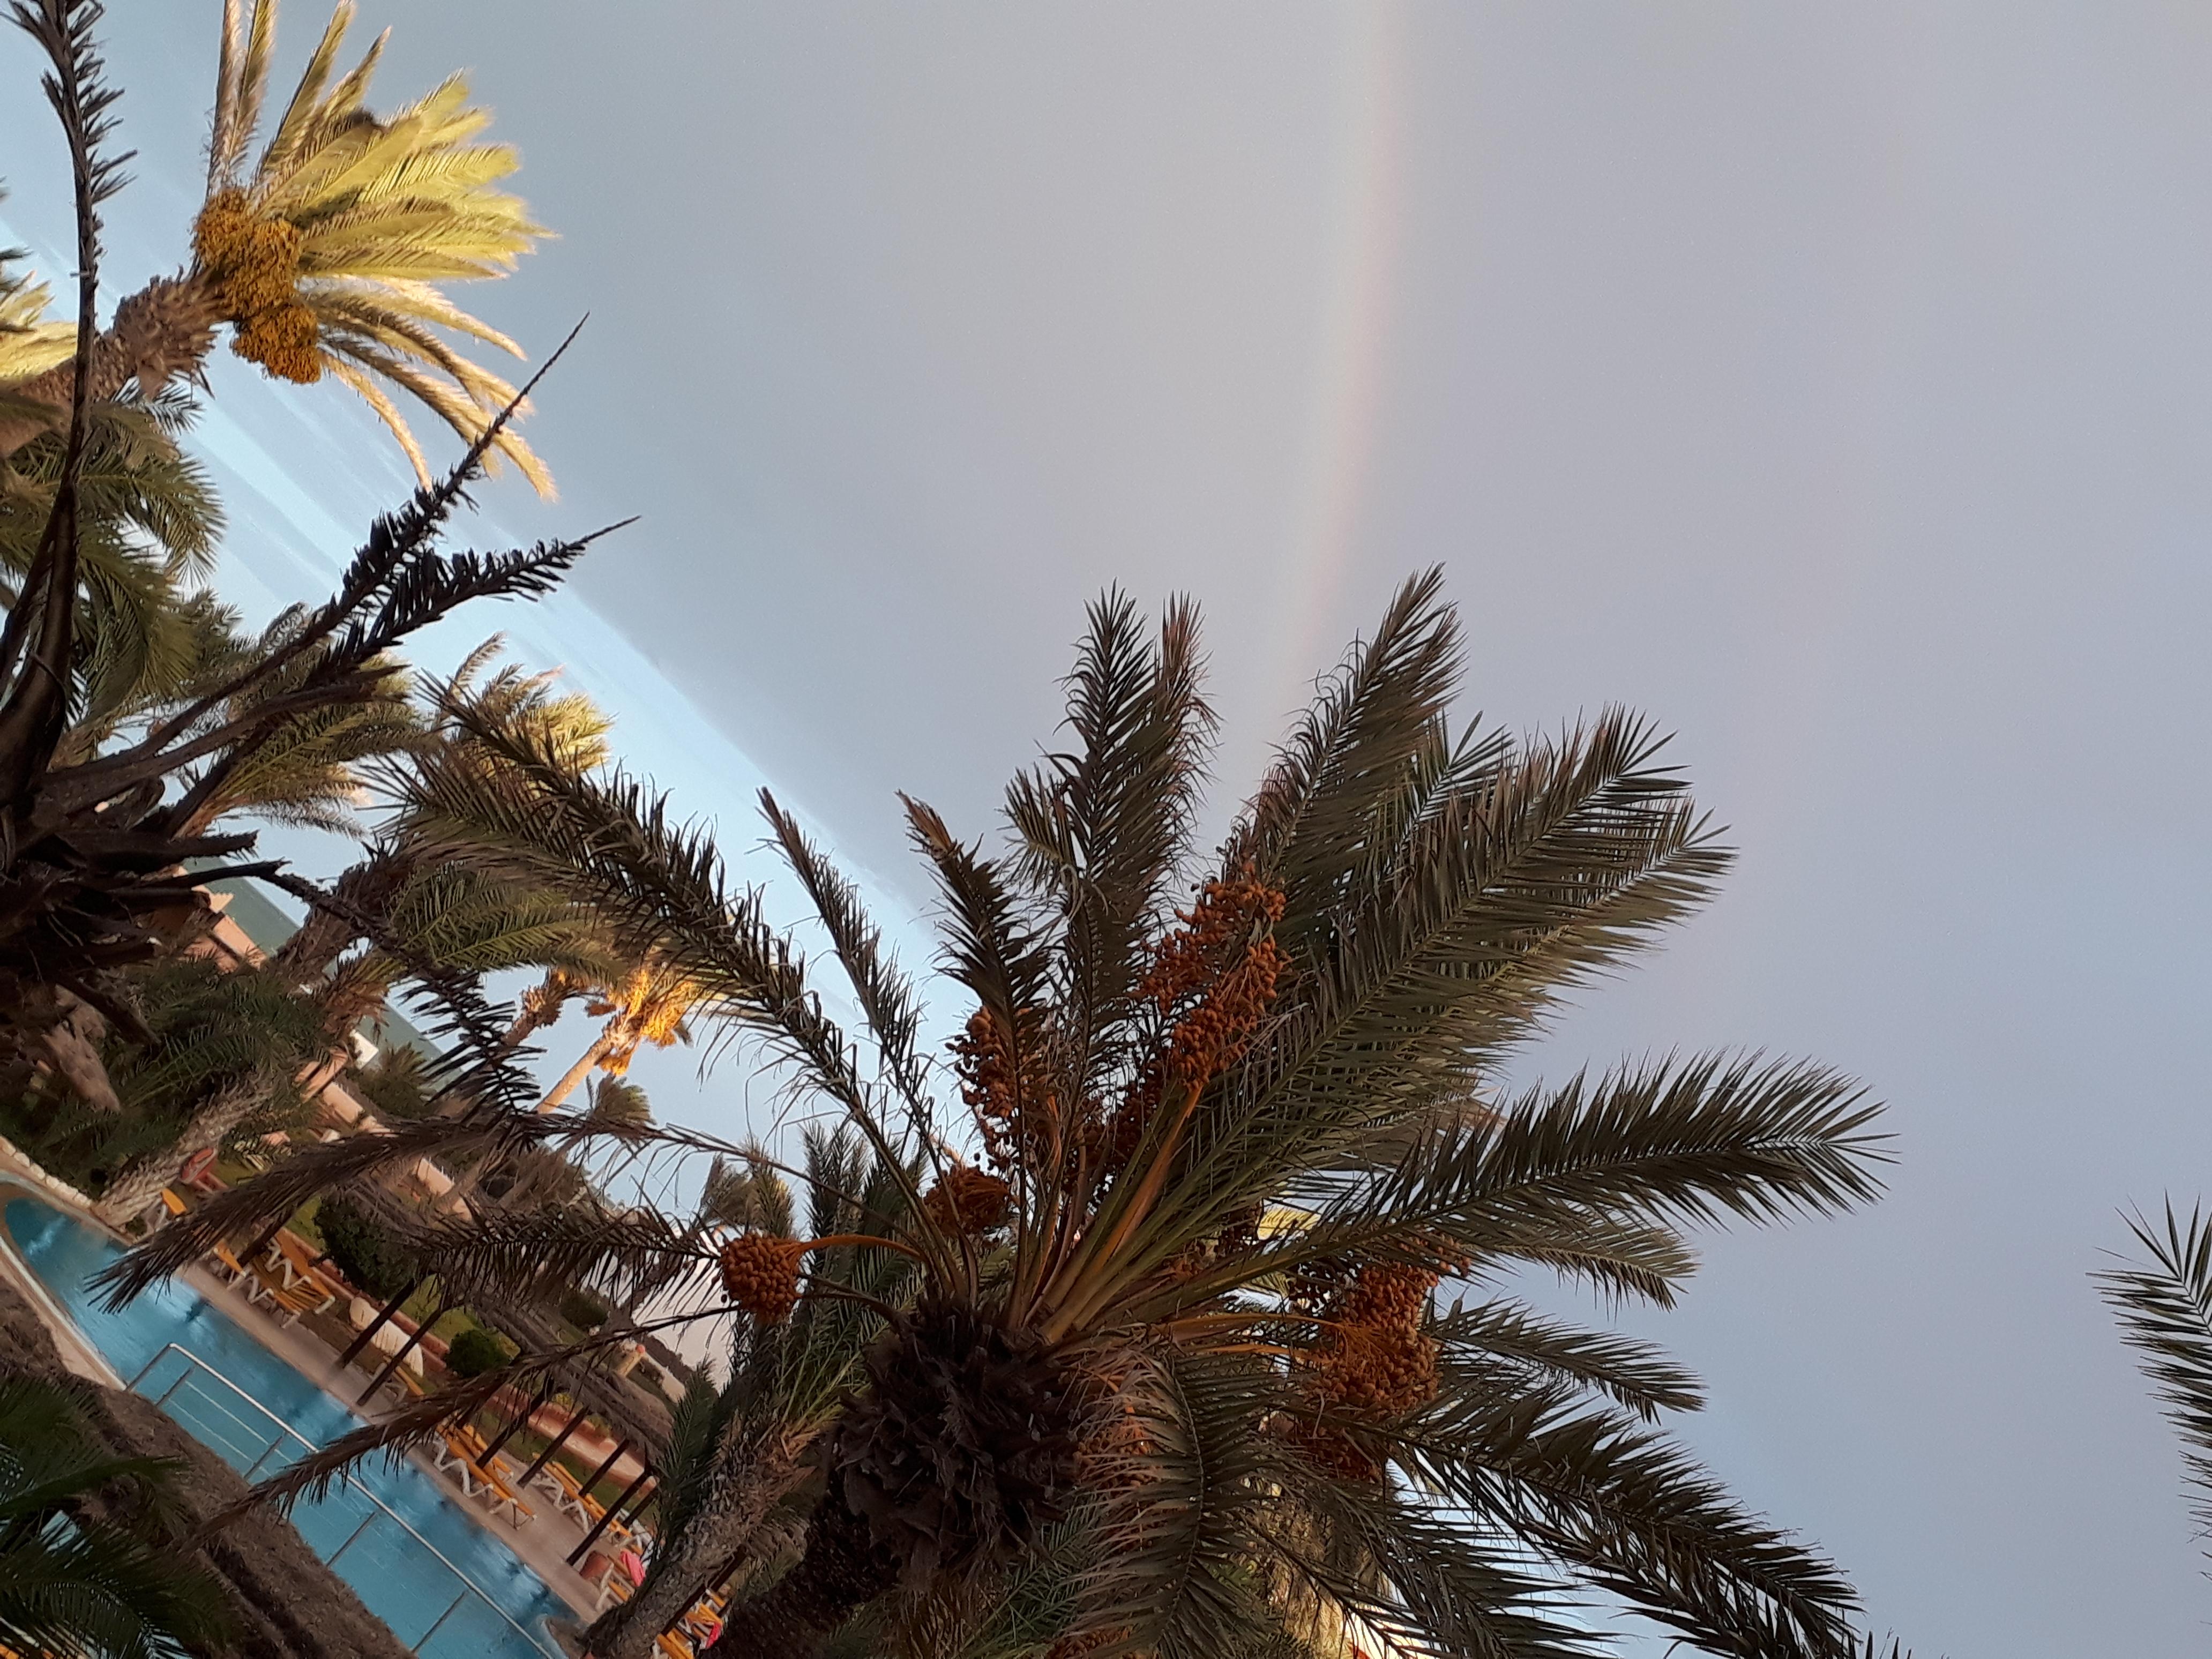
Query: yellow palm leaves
325, 254
654, 1005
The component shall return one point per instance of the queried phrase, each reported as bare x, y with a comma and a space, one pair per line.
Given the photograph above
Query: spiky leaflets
2165, 1308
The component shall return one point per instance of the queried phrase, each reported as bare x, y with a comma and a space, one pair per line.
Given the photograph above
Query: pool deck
543, 1544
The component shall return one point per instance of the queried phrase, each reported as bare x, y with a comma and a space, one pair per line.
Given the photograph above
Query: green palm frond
1499, 1334
1667, 1142
477, 924
1554, 869
2165, 1310
147, 522
885, 994
1636, 1514
73, 1584
659, 885
1102, 829
1314, 821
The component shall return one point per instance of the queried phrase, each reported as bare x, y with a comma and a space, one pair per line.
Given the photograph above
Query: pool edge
78, 1351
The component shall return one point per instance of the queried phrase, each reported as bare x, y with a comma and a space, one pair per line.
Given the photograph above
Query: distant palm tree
147, 522
1175, 1339
323, 252
69, 1582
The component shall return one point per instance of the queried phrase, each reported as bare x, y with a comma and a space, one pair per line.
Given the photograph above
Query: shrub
583, 1309
392, 1085
365, 1251
475, 1352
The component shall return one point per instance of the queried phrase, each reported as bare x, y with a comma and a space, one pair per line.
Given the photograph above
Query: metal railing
389, 1590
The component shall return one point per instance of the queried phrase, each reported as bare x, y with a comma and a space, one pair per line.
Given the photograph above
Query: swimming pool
399, 1581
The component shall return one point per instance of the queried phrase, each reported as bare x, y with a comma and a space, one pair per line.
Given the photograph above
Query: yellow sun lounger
464, 1459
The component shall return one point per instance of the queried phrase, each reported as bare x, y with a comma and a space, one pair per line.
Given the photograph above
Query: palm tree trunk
132, 1193
165, 330
841, 1571
471, 1179
572, 1078
728, 1528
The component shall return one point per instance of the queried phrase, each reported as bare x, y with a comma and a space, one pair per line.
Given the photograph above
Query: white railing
212, 1427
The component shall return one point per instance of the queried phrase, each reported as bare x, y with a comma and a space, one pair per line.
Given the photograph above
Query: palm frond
2165, 1310
1666, 1142
1637, 1515
1312, 822
885, 994
1102, 828
1498, 1333
1551, 870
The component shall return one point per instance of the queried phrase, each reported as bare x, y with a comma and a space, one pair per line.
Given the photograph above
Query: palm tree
324, 252
228, 1047
72, 1583
651, 1007
148, 521
731, 1482
1175, 1335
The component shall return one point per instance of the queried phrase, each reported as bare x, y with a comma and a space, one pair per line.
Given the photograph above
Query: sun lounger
463, 1458
227, 1267
309, 1296
568, 1495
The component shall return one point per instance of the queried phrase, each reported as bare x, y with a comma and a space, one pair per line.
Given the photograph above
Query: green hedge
583, 1309
364, 1250
475, 1352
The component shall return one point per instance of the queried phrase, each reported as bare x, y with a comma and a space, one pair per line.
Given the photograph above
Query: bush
366, 1253
475, 1352
583, 1309
392, 1085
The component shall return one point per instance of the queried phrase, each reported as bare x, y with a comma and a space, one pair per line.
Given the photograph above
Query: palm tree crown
325, 252
1204, 1319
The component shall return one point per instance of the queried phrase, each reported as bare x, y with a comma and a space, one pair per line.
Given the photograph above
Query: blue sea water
400, 1582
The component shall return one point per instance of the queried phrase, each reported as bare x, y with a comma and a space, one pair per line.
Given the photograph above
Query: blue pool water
401, 1583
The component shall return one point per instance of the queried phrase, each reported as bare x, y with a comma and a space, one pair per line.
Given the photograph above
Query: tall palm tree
1225, 1129
148, 521
74, 1583
323, 252
91, 846
651, 1007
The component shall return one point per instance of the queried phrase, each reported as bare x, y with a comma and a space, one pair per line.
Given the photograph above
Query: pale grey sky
1830, 381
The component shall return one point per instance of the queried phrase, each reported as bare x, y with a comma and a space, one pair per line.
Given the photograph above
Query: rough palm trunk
732, 1528
133, 1192
843, 1570
472, 1179
572, 1078
165, 330
54, 1028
